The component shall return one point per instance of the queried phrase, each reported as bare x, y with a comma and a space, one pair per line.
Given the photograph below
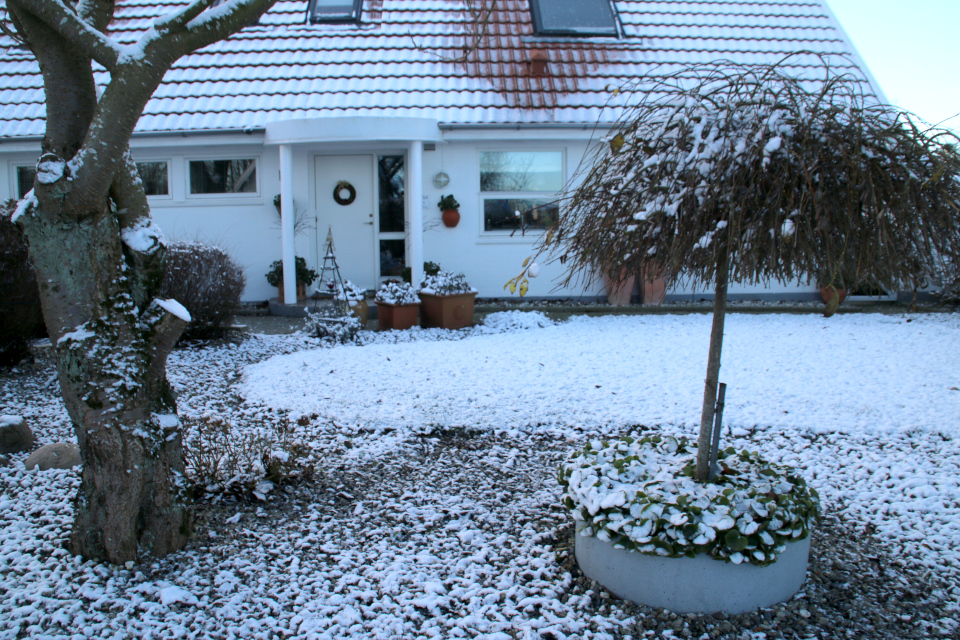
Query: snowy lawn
433, 512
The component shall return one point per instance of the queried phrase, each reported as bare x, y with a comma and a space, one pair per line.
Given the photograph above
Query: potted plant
355, 297
451, 210
638, 510
724, 191
304, 275
446, 301
398, 306
619, 286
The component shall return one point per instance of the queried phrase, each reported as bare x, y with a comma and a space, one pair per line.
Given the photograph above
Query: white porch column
414, 186
287, 215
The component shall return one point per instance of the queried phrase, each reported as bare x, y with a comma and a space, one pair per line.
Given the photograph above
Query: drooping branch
70, 26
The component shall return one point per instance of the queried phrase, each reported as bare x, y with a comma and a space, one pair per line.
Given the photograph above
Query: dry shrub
21, 318
205, 280
221, 459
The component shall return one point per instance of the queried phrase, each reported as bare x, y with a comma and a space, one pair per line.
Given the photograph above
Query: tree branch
163, 323
218, 23
178, 21
71, 27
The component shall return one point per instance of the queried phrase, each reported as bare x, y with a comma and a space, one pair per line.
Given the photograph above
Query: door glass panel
392, 258
390, 170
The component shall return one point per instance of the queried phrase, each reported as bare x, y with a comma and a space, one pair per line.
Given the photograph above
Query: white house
399, 102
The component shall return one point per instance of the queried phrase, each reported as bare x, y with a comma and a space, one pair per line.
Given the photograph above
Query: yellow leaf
524, 288
513, 288
617, 143
616, 92
526, 262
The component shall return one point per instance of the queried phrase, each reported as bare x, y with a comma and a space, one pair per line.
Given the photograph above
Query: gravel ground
397, 535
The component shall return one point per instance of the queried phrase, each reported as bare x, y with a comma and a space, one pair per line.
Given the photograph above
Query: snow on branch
65, 22
796, 176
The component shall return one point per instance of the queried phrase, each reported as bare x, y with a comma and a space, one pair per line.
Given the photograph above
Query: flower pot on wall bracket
451, 217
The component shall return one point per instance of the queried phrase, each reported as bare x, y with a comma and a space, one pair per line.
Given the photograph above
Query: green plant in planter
429, 269
304, 275
639, 493
448, 202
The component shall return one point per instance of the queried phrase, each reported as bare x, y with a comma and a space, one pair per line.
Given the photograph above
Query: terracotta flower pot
396, 316
826, 292
653, 290
446, 312
451, 217
360, 310
301, 292
619, 292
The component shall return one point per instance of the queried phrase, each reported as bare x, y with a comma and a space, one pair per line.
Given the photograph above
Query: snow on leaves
641, 495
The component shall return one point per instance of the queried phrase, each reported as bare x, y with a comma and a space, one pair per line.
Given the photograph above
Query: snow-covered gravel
434, 511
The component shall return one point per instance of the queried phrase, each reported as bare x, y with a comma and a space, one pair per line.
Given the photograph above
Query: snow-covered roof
402, 60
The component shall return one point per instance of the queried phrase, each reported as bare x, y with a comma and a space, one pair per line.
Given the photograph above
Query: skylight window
573, 18
334, 11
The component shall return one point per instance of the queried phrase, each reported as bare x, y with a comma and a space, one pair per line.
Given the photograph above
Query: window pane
334, 10
153, 175
574, 17
223, 176
521, 171
535, 214
392, 257
390, 169
25, 176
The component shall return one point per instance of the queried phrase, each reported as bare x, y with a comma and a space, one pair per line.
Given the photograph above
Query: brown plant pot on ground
653, 289
450, 217
453, 311
360, 310
619, 290
397, 316
301, 292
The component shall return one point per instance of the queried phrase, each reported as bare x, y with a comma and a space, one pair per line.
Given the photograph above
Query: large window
154, 177
223, 176
25, 176
519, 189
574, 17
390, 181
334, 11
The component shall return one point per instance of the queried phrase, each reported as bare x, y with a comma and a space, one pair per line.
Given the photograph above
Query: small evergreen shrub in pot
447, 301
205, 280
305, 276
398, 306
21, 318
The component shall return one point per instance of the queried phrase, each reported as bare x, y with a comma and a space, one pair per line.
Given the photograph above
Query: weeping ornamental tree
99, 260
727, 172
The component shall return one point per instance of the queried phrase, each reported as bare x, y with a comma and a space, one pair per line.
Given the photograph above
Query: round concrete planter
693, 585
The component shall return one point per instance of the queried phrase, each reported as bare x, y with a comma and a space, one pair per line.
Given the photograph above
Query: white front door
352, 222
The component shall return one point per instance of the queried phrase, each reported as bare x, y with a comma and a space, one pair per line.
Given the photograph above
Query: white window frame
515, 236
15, 177
336, 18
253, 195
169, 163
541, 30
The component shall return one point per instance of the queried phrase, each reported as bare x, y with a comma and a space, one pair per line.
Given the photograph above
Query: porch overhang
355, 129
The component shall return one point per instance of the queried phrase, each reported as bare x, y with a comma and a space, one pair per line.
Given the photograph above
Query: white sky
913, 49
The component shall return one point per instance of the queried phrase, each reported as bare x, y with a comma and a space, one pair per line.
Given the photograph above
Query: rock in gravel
59, 455
4, 461
15, 435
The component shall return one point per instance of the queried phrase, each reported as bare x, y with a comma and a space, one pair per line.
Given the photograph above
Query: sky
913, 49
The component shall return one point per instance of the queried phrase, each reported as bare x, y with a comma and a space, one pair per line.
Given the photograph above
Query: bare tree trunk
713, 368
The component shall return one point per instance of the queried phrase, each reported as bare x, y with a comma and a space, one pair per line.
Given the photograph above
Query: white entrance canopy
410, 132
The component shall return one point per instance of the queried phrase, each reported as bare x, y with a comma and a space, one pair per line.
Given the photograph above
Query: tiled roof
402, 60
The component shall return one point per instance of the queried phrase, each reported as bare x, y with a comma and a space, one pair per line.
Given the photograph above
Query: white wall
246, 225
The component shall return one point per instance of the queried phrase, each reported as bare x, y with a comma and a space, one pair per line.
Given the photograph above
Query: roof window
573, 18
334, 11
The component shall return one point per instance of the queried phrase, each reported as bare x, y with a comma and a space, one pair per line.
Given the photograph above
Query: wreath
351, 193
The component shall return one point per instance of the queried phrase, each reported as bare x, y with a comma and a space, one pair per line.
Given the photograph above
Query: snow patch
175, 308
